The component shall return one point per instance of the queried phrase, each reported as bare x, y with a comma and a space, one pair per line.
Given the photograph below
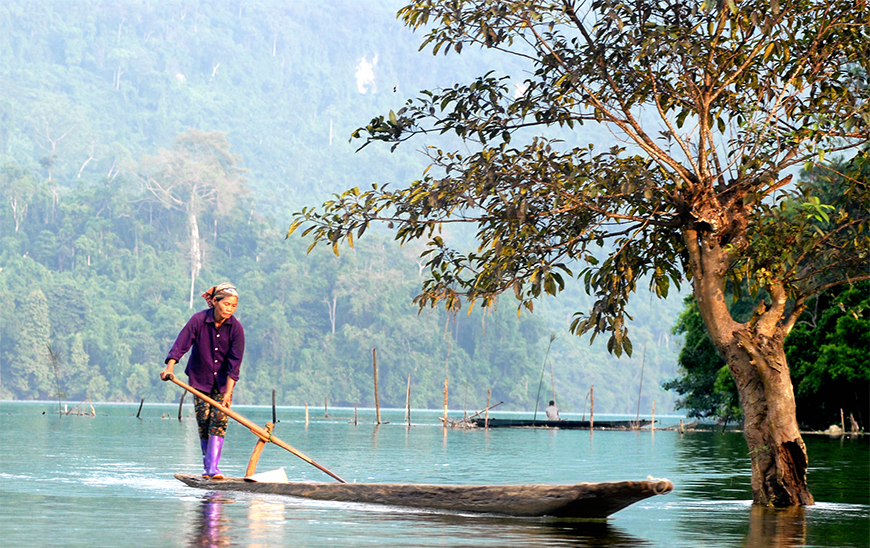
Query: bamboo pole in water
274, 413
653, 425
592, 407
377, 400
306, 413
408, 402
141, 403
640, 388
486, 413
445, 401
180, 404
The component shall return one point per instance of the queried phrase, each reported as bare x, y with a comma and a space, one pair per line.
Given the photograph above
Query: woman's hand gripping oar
259, 432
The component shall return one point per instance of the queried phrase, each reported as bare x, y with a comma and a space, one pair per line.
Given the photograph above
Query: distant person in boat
217, 340
553, 412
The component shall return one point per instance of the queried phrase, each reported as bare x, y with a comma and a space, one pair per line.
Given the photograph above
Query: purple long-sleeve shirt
216, 353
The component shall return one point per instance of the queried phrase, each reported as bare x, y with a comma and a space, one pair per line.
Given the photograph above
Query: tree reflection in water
776, 527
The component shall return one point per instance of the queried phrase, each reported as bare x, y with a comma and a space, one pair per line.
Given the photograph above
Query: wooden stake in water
274, 414
141, 403
377, 400
445, 402
408, 402
640, 388
306, 413
591, 407
180, 404
486, 413
354, 414
653, 425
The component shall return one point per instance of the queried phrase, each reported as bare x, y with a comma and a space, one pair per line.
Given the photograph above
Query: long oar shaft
259, 432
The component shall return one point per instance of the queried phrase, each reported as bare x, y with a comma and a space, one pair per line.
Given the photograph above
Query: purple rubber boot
213, 456
204, 445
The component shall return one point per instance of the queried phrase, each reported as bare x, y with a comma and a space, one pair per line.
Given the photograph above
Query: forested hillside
91, 86
101, 100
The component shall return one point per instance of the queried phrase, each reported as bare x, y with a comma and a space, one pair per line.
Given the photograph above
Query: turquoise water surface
108, 481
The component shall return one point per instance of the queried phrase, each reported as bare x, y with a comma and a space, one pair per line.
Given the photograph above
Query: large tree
199, 172
716, 103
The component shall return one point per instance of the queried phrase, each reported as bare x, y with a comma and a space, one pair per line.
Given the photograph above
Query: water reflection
90, 473
264, 518
776, 527
714, 466
375, 432
212, 528
503, 531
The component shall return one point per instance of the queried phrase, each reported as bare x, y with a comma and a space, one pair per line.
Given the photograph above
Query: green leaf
293, 227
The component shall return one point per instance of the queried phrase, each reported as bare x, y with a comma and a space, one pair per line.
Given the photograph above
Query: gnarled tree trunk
777, 451
755, 356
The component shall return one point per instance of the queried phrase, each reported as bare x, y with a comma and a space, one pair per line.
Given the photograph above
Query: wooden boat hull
580, 501
575, 425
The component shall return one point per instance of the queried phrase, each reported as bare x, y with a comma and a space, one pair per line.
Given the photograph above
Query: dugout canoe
574, 425
588, 501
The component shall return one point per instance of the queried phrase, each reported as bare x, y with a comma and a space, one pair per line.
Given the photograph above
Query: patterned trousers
211, 422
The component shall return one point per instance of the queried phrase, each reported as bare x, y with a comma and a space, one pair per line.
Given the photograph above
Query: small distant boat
567, 424
583, 501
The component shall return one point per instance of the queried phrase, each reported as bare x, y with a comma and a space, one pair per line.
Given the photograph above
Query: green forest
826, 351
150, 150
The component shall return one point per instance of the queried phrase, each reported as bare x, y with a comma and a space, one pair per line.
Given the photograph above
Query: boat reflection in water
212, 527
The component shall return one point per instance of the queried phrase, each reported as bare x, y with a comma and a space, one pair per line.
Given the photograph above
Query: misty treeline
112, 205
101, 274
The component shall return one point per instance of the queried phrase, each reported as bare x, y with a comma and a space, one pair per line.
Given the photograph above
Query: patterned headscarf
220, 292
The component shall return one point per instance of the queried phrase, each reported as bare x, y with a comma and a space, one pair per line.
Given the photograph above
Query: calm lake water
108, 481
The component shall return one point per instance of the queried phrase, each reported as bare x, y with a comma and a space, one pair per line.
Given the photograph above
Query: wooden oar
259, 432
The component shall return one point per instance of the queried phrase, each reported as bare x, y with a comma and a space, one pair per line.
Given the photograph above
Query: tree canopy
741, 96
715, 102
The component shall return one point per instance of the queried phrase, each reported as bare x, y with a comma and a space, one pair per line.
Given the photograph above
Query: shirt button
218, 335
215, 361
215, 351
215, 373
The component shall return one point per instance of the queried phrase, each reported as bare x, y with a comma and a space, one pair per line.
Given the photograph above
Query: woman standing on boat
217, 340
